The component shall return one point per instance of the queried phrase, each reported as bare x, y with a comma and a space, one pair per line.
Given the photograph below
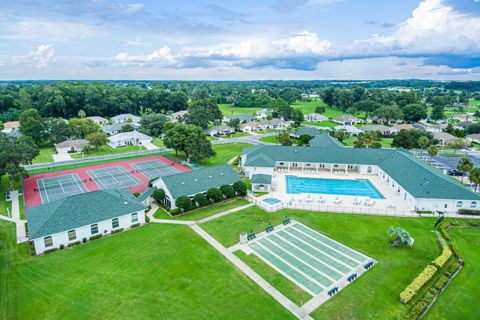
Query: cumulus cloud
132, 8
161, 57
44, 54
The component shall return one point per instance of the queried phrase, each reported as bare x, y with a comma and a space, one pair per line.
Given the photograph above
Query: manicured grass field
158, 142
328, 124
105, 150
156, 271
46, 155
228, 110
225, 152
237, 134
374, 295
273, 139
309, 107
386, 142
201, 213
463, 291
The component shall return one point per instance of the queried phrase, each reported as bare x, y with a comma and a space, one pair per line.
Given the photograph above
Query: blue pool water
271, 201
360, 188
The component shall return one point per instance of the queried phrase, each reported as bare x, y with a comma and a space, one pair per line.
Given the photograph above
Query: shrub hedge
227, 191
116, 230
183, 202
74, 243
472, 212
97, 236
412, 289
240, 187
214, 194
175, 212
201, 199
440, 261
135, 225
50, 250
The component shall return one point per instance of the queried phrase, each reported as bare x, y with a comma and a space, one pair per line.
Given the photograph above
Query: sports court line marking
323, 263
97, 180
44, 190
335, 249
341, 254
293, 267
303, 261
61, 186
322, 252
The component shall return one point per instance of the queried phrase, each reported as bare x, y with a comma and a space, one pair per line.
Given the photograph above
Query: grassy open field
201, 213
374, 295
386, 142
158, 142
460, 300
228, 110
328, 124
225, 152
46, 155
156, 271
105, 150
273, 139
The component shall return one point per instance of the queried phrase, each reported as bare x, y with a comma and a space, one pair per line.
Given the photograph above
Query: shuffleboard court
59, 187
154, 168
113, 178
313, 261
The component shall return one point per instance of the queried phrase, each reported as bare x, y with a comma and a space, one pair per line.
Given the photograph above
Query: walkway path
20, 224
61, 157
150, 146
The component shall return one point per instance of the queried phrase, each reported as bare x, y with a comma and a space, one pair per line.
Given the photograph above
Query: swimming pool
360, 187
271, 201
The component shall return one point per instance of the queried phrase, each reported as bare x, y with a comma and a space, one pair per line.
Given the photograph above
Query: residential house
261, 182
435, 128
275, 124
443, 138
11, 126
99, 121
192, 182
350, 130
463, 117
263, 113
178, 116
76, 218
463, 125
347, 120
251, 126
126, 117
315, 117
244, 118
219, 130
116, 128
386, 131
310, 131
128, 138
473, 138
67, 146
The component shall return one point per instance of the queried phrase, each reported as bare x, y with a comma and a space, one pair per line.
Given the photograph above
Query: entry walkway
61, 157
15, 218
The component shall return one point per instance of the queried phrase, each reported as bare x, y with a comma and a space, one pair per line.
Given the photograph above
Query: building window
134, 217
115, 223
94, 228
473, 205
369, 169
72, 235
48, 241
459, 204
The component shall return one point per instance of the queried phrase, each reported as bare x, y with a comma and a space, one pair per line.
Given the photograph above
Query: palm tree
432, 151
423, 142
465, 165
81, 114
399, 236
474, 177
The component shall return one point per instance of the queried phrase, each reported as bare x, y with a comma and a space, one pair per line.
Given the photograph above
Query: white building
11, 126
263, 113
351, 130
99, 121
178, 116
128, 138
219, 130
347, 120
75, 219
125, 117
386, 131
315, 117
473, 138
119, 127
251, 126
67, 146
444, 138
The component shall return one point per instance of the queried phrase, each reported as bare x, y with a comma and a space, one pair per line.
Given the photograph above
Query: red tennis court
132, 174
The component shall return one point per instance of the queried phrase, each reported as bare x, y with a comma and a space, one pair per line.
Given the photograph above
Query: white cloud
136, 42
161, 57
134, 8
44, 54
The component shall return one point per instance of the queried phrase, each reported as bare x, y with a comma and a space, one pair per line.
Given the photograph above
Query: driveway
149, 146
61, 157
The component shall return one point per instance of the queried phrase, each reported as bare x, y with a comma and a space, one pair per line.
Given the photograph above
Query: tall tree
474, 177
203, 112
369, 139
32, 125
389, 112
437, 112
97, 139
57, 129
465, 165
414, 112
15, 152
189, 139
152, 124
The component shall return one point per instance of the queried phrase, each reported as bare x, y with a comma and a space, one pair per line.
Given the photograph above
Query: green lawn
224, 152
309, 107
374, 295
237, 134
156, 271
106, 149
158, 142
463, 291
386, 142
269, 139
228, 110
201, 213
328, 124
46, 155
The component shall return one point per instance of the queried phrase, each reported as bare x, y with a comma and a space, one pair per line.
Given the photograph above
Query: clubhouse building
402, 181
78, 218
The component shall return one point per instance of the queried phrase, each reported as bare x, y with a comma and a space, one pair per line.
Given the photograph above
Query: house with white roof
351, 130
263, 113
67, 146
251, 126
219, 130
347, 120
128, 138
77, 218
473, 138
315, 117
242, 117
11, 126
118, 127
125, 117
275, 124
386, 131
444, 138
99, 121
178, 116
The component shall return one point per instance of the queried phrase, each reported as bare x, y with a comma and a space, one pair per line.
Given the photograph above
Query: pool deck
391, 201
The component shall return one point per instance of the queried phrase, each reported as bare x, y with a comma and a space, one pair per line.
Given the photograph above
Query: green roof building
414, 182
80, 216
192, 182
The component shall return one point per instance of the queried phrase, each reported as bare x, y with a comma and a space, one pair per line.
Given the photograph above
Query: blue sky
228, 40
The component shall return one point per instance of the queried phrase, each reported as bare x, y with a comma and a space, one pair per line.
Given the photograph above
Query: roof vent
210, 176
125, 202
221, 173
196, 179
183, 182
295, 151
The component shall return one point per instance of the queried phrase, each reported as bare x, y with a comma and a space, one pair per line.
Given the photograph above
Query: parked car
456, 173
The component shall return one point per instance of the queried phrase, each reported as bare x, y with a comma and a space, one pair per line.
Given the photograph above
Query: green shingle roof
261, 179
307, 131
419, 179
325, 140
193, 182
147, 193
80, 210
